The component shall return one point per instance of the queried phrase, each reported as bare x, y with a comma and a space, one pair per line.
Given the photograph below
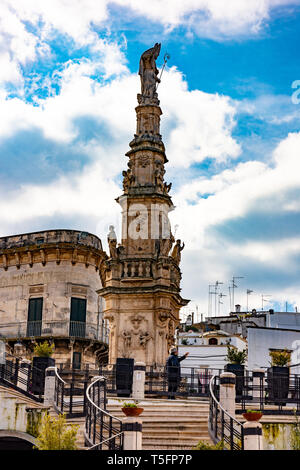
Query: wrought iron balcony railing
55, 328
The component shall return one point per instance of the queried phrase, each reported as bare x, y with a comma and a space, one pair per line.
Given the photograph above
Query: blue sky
68, 85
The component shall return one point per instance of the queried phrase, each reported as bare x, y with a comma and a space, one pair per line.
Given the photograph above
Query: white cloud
209, 18
235, 192
78, 19
201, 122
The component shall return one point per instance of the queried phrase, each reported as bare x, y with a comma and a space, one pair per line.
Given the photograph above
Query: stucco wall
261, 340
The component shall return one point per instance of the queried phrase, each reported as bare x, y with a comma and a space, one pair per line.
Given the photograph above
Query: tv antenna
210, 294
233, 286
219, 301
264, 300
249, 291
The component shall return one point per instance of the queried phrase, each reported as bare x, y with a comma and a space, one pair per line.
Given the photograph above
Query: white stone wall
56, 284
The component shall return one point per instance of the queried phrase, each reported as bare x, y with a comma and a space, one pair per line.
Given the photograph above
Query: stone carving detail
30, 257
136, 320
143, 161
148, 73
127, 339
128, 180
112, 242
163, 316
176, 253
170, 335
144, 338
43, 257
166, 245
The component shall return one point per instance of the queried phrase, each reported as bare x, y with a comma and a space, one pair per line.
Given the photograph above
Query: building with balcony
48, 284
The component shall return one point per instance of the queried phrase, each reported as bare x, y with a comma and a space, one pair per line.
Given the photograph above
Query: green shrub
236, 357
202, 445
295, 433
129, 405
56, 434
43, 349
280, 358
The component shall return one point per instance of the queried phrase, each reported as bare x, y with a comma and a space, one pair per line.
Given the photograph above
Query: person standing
173, 372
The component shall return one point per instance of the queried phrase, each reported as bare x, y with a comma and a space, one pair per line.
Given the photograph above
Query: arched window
213, 341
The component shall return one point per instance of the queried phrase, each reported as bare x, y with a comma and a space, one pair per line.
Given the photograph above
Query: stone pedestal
132, 433
138, 385
227, 392
253, 436
49, 392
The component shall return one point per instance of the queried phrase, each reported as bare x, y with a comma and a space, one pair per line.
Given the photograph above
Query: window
76, 363
77, 317
213, 341
35, 312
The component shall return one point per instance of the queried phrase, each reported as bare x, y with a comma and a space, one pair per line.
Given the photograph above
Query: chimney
237, 308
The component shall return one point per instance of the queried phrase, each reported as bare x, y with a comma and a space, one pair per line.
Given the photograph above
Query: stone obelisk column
141, 275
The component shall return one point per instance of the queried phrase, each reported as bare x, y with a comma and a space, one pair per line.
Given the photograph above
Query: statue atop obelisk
141, 277
149, 76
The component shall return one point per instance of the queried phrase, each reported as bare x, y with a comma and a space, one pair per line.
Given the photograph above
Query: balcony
55, 328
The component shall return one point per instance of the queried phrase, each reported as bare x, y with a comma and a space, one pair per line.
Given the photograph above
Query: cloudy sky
230, 96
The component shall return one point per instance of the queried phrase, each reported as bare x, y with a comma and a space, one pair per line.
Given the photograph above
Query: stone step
169, 425
165, 414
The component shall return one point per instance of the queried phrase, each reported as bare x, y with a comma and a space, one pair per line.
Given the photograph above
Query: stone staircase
168, 424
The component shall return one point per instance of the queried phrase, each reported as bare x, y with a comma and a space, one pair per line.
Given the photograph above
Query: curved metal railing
103, 431
221, 425
70, 398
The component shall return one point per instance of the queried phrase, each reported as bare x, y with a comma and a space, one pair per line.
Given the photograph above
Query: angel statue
148, 73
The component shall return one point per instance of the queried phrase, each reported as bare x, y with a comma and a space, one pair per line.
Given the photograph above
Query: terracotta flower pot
131, 411
253, 416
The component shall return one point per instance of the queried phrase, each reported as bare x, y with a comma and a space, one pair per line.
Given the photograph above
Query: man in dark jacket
173, 372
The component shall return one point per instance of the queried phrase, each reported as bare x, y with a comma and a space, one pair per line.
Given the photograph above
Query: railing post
49, 393
24, 374
227, 392
132, 428
252, 435
138, 384
258, 386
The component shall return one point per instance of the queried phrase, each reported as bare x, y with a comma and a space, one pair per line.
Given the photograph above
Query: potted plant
236, 366
252, 415
131, 409
41, 361
278, 375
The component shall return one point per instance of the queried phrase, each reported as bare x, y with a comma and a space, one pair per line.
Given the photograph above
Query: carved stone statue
176, 253
144, 338
167, 187
166, 245
112, 242
148, 73
159, 179
128, 179
127, 340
